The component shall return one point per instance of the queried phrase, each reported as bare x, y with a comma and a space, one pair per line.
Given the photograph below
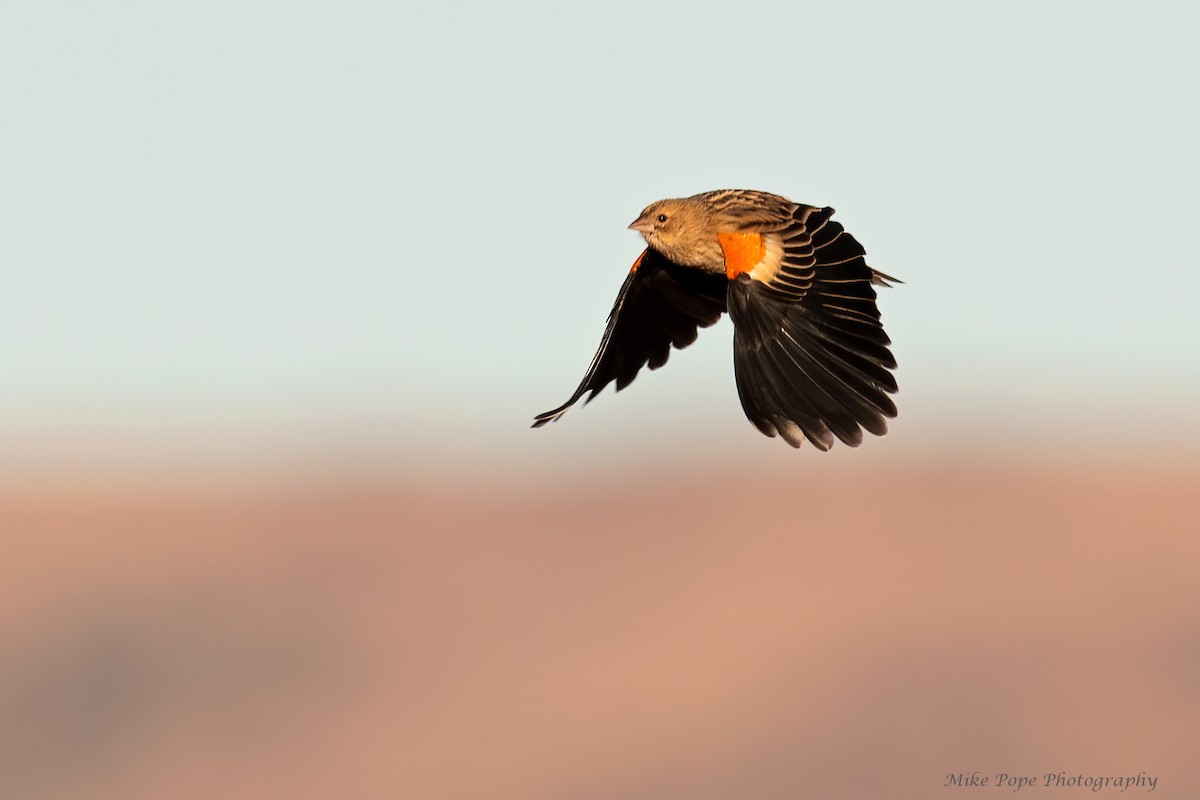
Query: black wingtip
807, 373
549, 416
582, 393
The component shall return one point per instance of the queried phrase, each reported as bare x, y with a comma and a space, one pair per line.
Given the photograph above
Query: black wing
660, 304
810, 354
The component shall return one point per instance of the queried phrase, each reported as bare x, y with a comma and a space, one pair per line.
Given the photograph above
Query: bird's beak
642, 225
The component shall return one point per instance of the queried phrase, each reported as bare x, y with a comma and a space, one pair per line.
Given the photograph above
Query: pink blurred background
851, 627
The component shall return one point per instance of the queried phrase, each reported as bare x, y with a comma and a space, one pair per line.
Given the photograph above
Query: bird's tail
882, 278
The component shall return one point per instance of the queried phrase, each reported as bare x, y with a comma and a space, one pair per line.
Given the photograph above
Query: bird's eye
662, 217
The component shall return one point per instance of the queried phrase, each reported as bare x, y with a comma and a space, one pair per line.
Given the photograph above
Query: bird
811, 359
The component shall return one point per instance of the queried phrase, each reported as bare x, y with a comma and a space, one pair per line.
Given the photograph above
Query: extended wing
660, 304
811, 357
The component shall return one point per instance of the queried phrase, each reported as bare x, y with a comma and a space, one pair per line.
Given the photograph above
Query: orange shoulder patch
639, 261
742, 252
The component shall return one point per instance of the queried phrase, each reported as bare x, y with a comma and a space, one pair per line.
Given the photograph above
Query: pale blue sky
354, 220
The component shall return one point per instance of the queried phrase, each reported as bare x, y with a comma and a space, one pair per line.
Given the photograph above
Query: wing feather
661, 305
810, 352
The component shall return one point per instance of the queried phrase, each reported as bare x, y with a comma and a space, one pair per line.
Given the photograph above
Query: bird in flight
810, 355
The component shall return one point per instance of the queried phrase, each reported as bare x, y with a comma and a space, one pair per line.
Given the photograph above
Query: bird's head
678, 229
